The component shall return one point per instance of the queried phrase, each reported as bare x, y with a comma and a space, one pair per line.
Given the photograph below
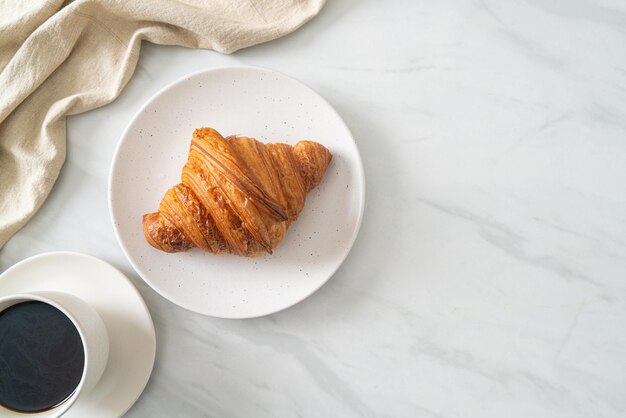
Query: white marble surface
489, 277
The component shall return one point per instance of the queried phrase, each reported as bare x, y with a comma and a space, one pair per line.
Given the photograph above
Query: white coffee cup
94, 337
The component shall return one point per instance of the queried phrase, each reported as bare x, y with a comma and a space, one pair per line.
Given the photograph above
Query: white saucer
131, 331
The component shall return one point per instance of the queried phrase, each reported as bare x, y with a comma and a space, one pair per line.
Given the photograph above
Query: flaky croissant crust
236, 194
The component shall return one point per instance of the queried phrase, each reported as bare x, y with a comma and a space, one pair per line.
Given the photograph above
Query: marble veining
488, 279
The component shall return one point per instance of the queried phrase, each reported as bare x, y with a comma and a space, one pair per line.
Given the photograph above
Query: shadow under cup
53, 348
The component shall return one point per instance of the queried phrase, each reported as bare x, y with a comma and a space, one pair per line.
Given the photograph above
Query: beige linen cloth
60, 58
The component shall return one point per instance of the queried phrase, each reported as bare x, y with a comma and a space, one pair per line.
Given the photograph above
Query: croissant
236, 195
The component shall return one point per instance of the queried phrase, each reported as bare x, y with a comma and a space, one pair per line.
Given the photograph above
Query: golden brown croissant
236, 194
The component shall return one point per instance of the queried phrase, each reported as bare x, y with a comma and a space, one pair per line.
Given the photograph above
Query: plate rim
173, 84
137, 295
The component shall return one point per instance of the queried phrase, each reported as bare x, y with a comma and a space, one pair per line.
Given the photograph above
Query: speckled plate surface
271, 107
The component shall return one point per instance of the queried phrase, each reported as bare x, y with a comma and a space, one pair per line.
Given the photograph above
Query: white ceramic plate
132, 342
258, 103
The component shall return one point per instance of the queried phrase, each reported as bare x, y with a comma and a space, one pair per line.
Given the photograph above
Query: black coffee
41, 357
